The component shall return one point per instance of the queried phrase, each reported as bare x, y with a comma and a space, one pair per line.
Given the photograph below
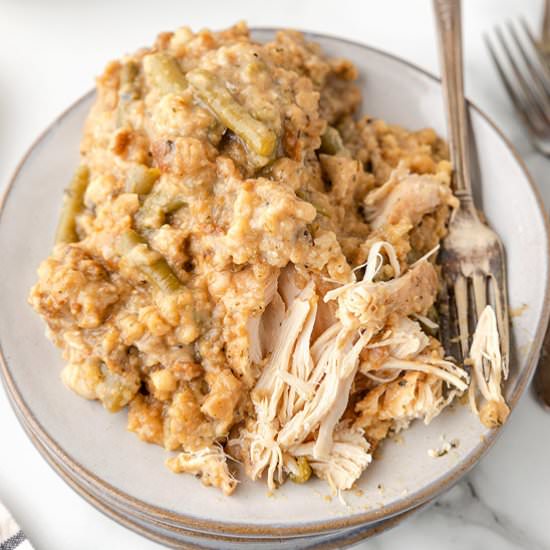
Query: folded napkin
11, 537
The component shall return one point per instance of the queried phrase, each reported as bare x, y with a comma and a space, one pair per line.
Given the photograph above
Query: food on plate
250, 269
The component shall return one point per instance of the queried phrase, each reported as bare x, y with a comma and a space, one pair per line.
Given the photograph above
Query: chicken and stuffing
249, 269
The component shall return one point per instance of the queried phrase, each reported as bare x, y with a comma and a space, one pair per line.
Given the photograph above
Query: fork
472, 254
527, 83
528, 89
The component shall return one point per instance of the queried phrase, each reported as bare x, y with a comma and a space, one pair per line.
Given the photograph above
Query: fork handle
542, 374
447, 15
546, 26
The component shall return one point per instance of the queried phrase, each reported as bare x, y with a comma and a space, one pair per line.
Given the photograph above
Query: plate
179, 537
95, 444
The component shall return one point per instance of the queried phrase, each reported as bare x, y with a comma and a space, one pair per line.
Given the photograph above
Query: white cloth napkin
11, 537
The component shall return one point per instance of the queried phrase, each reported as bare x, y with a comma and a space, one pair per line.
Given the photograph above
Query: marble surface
49, 50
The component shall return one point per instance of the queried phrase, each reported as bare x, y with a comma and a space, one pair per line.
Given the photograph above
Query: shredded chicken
391, 406
271, 395
406, 197
209, 463
369, 304
301, 397
253, 324
488, 371
346, 461
407, 339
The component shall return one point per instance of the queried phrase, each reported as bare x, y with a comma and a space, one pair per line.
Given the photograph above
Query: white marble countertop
49, 52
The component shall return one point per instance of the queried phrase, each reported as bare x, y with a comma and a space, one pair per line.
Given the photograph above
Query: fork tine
444, 318
525, 88
517, 101
479, 284
461, 304
498, 286
541, 56
538, 79
448, 325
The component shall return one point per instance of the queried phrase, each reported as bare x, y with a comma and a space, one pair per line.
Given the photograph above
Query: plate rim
417, 498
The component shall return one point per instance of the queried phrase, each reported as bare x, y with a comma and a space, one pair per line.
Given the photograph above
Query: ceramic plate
96, 444
179, 537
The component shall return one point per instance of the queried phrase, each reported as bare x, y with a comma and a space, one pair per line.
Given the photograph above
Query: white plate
182, 538
96, 443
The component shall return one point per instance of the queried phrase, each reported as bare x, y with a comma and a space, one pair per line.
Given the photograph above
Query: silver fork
472, 254
527, 82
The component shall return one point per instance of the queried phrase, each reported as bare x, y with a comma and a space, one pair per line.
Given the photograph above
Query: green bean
173, 205
73, 204
162, 71
127, 241
332, 144
304, 471
156, 270
155, 207
258, 137
128, 90
141, 179
129, 85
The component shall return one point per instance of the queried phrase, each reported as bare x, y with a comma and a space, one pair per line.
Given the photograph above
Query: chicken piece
270, 324
333, 359
414, 292
296, 390
269, 386
336, 355
395, 404
406, 197
346, 461
271, 390
407, 339
402, 338
326, 317
209, 463
337, 365
369, 304
256, 350
415, 351
299, 391
246, 295
432, 364
258, 447
488, 371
